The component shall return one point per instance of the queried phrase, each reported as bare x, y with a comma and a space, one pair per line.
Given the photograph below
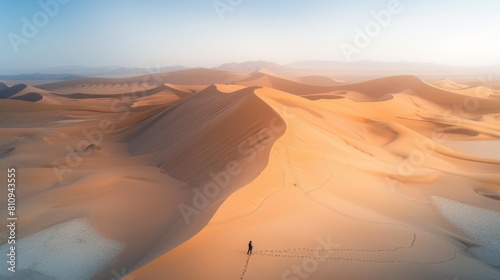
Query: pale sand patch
71, 250
478, 223
486, 148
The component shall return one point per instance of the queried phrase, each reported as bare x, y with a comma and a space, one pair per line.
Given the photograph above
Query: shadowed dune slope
204, 134
3, 86
31, 97
28, 93
132, 95
9, 92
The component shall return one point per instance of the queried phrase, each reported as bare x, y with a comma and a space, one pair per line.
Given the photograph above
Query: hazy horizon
55, 33
116, 66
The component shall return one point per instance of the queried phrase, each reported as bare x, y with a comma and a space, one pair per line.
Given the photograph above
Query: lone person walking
250, 247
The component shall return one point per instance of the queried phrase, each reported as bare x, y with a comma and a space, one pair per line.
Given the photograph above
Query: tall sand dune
215, 142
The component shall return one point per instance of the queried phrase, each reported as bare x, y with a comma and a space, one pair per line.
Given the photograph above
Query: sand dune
24, 92
266, 80
176, 172
449, 84
13, 91
490, 83
31, 97
197, 149
201, 76
318, 81
3, 86
186, 161
197, 76
102, 85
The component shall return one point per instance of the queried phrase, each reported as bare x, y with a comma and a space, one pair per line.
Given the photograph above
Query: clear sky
148, 33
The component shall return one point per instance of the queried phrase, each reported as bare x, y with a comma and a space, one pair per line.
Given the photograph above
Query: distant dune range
179, 170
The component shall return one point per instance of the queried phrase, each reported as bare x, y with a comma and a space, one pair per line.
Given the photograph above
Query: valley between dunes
170, 175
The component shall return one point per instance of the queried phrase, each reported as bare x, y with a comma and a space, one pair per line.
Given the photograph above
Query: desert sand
169, 176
